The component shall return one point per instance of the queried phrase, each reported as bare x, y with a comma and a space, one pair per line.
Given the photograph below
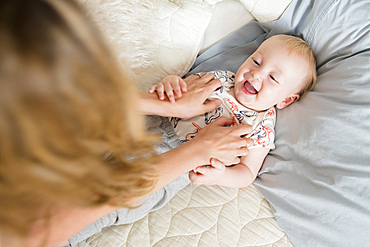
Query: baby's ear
288, 101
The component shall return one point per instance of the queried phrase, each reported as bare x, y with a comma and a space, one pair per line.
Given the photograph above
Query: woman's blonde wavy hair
70, 133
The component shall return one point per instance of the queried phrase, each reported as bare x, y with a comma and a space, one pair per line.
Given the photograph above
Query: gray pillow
317, 178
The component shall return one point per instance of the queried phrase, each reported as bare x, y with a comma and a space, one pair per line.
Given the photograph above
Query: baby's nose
257, 75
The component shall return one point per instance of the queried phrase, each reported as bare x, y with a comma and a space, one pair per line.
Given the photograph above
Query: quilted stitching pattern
201, 216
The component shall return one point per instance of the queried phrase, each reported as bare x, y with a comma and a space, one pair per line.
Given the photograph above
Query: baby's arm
238, 176
169, 85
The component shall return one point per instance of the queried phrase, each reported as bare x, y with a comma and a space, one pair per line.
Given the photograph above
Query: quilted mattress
201, 216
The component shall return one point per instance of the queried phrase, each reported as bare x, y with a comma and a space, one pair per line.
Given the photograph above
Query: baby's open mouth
250, 88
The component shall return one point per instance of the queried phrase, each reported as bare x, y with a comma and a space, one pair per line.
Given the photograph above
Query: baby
281, 71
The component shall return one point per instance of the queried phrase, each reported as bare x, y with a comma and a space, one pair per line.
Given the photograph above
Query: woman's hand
189, 105
218, 140
198, 89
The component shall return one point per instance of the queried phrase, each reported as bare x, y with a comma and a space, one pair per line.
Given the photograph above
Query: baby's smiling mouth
249, 88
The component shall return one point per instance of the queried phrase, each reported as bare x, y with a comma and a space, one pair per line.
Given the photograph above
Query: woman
73, 147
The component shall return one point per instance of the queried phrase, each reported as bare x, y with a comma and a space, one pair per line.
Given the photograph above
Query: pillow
244, 11
222, 23
266, 10
154, 38
317, 178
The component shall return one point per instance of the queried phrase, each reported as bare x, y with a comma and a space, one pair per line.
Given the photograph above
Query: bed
313, 189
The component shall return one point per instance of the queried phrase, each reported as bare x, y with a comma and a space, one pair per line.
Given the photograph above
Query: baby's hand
208, 175
168, 85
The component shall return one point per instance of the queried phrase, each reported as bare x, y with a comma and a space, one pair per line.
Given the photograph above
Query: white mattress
201, 216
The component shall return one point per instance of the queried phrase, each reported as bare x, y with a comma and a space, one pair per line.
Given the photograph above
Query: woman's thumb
211, 105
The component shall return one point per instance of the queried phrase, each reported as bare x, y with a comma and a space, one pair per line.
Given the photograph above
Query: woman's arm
215, 140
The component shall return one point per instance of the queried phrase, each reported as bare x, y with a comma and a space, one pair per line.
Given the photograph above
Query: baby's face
270, 75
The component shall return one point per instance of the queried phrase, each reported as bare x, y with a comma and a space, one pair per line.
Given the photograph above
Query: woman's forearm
214, 140
65, 221
178, 161
149, 104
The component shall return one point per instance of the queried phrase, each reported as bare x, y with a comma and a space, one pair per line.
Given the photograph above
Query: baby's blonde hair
303, 49
70, 133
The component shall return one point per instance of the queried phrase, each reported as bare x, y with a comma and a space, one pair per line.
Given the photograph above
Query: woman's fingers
223, 142
196, 81
238, 130
211, 105
194, 77
241, 130
192, 103
223, 121
210, 85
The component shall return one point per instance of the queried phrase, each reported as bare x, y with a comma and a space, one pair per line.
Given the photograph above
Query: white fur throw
154, 37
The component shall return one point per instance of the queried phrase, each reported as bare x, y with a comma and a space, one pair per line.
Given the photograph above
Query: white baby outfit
263, 123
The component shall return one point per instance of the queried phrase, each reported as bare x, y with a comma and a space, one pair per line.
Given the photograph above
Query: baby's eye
273, 78
255, 61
